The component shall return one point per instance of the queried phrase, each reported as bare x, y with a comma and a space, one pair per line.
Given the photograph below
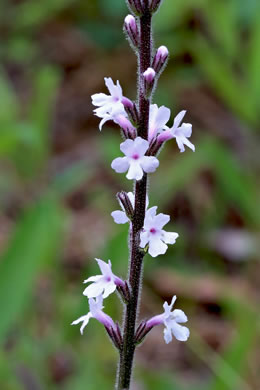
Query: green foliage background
57, 191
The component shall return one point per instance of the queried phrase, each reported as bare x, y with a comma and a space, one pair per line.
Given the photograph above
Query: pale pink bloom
180, 133
104, 284
171, 320
153, 233
135, 161
109, 106
158, 118
95, 306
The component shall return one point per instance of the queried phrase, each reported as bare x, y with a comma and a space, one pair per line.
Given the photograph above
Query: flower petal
127, 147
104, 267
135, 171
93, 279
167, 307
167, 335
157, 247
180, 332
100, 99
144, 238
84, 320
131, 198
95, 305
103, 121
169, 238
120, 164
94, 289
160, 220
149, 164
177, 120
111, 86
151, 212
140, 146
119, 217
162, 117
179, 316
180, 144
186, 129
188, 143
109, 289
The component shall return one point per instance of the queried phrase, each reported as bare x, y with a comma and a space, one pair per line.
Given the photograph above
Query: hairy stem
136, 255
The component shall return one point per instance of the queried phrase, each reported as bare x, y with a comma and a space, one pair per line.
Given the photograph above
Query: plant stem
136, 255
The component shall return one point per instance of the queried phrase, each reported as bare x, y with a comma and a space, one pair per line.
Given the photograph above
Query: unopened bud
115, 336
135, 6
132, 30
154, 5
160, 58
126, 204
141, 332
128, 129
149, 78
124, 291
131, 109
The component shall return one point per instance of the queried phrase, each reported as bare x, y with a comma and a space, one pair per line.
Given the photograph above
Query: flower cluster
140, 159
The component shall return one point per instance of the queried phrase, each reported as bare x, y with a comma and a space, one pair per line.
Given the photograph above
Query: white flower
95, 306
181, 133
158, 119
104, 284
135, 161
154, 235
109, 106
119, 216
171, 320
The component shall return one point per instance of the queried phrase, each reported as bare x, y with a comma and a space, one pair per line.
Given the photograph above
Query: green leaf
33, 244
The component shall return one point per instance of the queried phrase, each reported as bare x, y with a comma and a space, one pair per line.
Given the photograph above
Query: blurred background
57, 191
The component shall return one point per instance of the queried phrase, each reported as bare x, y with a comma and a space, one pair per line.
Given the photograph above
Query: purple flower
95, 306
104, 284
153, 233
135, 161
171, 320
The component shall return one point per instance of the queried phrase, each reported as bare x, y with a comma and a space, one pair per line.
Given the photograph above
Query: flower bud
135, 6
131, 110
154, 5
132, 31
141, 332
160, 58
126, 204
149, 78
115, 336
